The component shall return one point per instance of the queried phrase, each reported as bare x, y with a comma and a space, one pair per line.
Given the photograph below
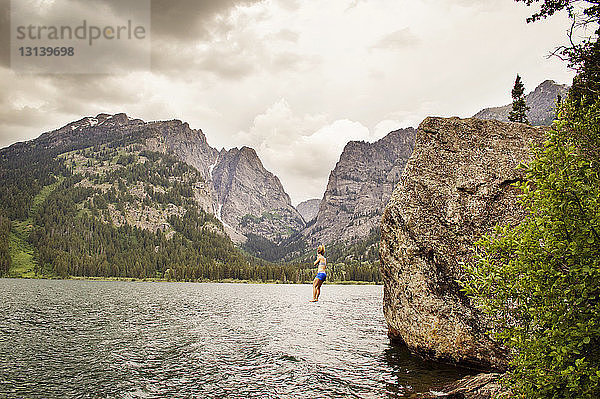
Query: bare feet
314, 300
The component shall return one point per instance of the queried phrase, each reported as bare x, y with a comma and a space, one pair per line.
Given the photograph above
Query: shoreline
159, 280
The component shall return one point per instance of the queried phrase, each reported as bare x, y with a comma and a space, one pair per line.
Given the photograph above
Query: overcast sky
296, 80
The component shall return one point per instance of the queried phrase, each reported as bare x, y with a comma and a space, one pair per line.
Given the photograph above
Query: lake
111, 339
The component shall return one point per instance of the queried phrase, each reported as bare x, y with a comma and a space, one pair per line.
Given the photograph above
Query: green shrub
540, 280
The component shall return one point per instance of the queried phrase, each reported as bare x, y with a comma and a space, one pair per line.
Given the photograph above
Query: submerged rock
457, 185
480, 386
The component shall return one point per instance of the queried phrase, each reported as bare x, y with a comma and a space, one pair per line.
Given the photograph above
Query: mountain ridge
359, 186
242, 167
541, 102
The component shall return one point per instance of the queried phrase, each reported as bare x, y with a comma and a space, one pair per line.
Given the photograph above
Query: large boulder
456, 186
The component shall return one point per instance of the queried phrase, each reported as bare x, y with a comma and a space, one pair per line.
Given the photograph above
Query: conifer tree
519, 108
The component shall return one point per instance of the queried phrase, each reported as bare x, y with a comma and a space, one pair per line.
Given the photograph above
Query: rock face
456, 186
309, 209
251, 199
541, 103
176, 138
246, 197
359, 187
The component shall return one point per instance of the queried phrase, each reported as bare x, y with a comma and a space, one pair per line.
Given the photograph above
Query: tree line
73, 234
5, 226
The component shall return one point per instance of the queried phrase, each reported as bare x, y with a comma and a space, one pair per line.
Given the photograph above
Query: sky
296, 80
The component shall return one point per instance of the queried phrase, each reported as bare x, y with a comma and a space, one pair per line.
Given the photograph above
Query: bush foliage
540, 280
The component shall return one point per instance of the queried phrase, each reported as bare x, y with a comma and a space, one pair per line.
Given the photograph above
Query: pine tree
557, 106
519, 108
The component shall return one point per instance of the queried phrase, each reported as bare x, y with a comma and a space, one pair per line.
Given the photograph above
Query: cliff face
176, 138
456, 187
359, 187
246, 197
309, 209
251, 199
541, 103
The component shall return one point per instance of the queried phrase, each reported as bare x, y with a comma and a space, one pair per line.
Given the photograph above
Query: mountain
541, 103
245, 196
359, 187
122, 161
176, 138
147, 173
309, 209
236, 182
251, 199
91, 199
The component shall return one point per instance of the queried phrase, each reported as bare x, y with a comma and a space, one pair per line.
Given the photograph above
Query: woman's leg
318, 288
315, 289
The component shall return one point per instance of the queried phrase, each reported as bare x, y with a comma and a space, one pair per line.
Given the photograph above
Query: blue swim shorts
321, 276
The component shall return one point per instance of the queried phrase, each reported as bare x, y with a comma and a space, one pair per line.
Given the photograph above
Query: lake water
105, 339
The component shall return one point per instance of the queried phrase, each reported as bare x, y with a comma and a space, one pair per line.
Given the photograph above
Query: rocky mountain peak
93, 121
249, 152
119, 119
548, 84
251, 199
309, 209
190, 145
359, 186
541, 102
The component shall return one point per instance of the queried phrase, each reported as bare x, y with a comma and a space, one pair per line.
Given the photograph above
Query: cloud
176, 29
302, 150
236, 44
297, 79
384, 127
287, 35
183, 21
396, 40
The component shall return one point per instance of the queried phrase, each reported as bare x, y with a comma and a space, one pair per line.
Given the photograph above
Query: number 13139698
47, 51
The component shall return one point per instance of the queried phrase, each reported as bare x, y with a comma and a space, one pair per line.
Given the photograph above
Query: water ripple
91, 339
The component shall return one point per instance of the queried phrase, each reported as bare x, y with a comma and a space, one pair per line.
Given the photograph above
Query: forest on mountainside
119, 210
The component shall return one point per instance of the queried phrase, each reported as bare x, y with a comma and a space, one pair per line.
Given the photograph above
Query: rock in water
456, 187
480, 386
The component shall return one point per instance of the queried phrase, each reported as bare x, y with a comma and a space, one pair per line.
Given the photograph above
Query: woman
321, 274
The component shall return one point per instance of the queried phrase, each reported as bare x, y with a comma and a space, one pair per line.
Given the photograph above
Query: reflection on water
95, 339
